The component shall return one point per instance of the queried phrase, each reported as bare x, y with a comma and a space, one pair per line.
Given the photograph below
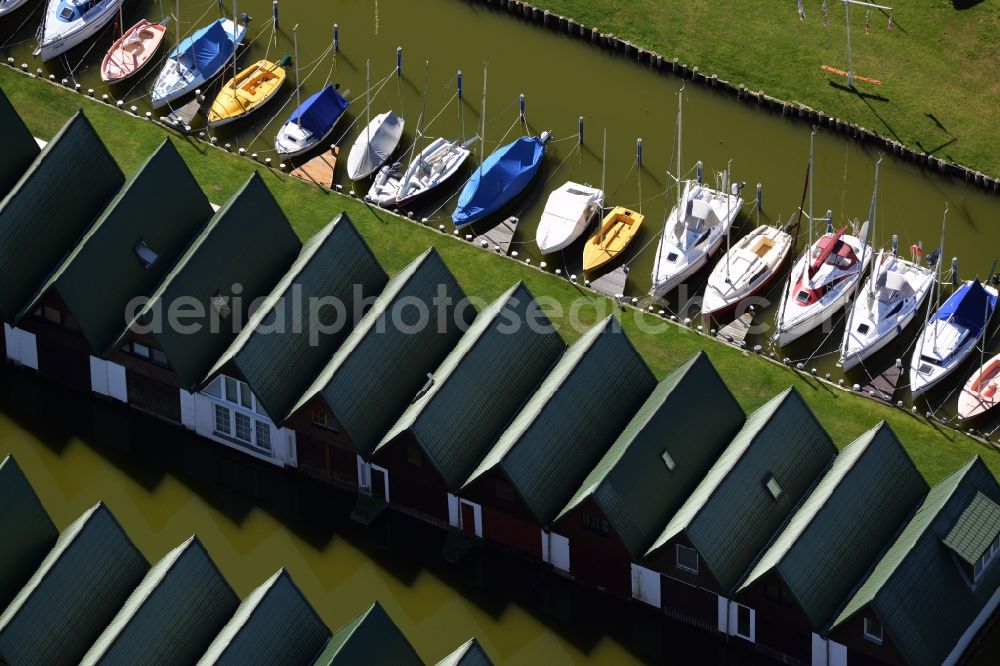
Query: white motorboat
567, 215
374, 145
68, 23
746, 269
196, 60
8, 6
432, 166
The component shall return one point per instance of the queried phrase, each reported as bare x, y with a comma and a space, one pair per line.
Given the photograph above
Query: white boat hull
175, 80
9, 6
742, 272
59, 36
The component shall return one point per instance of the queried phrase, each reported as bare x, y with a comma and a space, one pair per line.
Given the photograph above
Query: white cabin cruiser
567, 215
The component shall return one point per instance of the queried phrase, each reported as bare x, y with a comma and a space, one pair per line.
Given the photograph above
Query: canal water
562, 79
164, 484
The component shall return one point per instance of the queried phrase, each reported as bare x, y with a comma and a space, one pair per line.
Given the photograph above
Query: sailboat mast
298, 83
604, 158
121, 18
940, 261
864, 248
812, 140
234, 51
871, 224
177, 21
482, 131
725, 187
680, 98
368, 103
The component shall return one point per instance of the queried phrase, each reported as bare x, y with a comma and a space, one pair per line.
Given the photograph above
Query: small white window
146, 255
773, 486
243, 427
687, 558
222, 420
668, 460
263, 435
873, 630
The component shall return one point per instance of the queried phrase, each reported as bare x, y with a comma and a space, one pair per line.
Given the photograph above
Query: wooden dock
611, 284
180, 119
319, 170
736, 332
499, 238
883, 386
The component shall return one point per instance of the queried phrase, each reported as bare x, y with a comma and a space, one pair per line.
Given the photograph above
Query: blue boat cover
502, 177
212, 48
320, 111
972, 307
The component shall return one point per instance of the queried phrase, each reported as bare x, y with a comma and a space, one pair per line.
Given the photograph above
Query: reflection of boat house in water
573, 456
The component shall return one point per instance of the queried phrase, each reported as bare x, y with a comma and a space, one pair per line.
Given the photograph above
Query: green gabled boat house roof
279, 349
19, 147
921, 589
370, 638
238, 257
384, 361
470, 653
747, 495
74, 593
172, 616
28, 532
51, 207
496, 364
275, 624
570, 421
687, 421
843, 525
131, 247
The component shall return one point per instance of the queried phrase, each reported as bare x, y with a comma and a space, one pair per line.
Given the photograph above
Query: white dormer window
773, 487
668, 460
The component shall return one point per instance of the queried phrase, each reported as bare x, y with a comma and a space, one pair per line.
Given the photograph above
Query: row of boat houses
664, 492
87, 595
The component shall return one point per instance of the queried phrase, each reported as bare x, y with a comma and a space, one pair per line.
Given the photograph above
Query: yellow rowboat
615, 233
249, 91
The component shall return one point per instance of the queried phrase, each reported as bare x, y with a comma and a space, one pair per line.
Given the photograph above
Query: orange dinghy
132, 51
982, 391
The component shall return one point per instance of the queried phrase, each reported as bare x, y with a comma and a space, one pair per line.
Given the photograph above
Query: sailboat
982, 392
376, 142
132, 51
951, 334
567, 214
246, 92
197, 59
68, 23
500, 178
695, 228
432, 166
8, 6
746, 269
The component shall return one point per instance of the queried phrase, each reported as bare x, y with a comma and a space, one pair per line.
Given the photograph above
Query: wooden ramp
736, 332
883, 386
180, 119
499, 238
611, 284
319, 170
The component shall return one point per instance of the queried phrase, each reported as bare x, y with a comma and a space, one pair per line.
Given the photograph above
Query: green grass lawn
396, 242
938, 67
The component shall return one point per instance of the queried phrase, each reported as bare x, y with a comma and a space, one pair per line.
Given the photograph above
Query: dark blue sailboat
503, 176
311, 123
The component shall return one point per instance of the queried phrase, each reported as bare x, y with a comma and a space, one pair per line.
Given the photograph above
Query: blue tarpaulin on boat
502, 177
320, 111
211, 47
971, 306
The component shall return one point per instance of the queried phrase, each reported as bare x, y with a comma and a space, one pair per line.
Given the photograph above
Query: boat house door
471, 517
380, 483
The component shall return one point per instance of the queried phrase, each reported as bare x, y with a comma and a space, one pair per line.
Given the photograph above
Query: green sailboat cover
275, 624
370, 638
51, 207
500, 360
844, 524
28, 532
279, 349
74, 593
172, 616
384, 361
731, 515
571, 420
633, 485
19, 147
105, 271
237, 258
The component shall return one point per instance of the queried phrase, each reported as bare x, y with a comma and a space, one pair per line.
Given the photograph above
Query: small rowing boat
617, 230
133, 51
982, 392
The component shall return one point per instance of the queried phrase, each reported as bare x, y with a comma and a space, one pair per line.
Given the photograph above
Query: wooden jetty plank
319, 170
737, 331
499, 238
883, 385
611, 284
181, 118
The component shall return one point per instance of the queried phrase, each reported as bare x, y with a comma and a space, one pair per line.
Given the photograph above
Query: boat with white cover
374, 145
434, 165
68, 23
568, 212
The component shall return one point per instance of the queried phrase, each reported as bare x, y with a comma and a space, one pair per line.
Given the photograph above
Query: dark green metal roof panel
370, 638
172, 616
19, 147
841, 528
240, 255
281, 346
103, 273
28, 532
74, 594
975, 530
632, 485
384, 361
275, 624
917, 589
572, 419
471, 653
51, 207
731, 516
500, 360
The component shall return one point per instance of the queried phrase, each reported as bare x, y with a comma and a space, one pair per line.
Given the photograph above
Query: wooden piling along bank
630, 51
